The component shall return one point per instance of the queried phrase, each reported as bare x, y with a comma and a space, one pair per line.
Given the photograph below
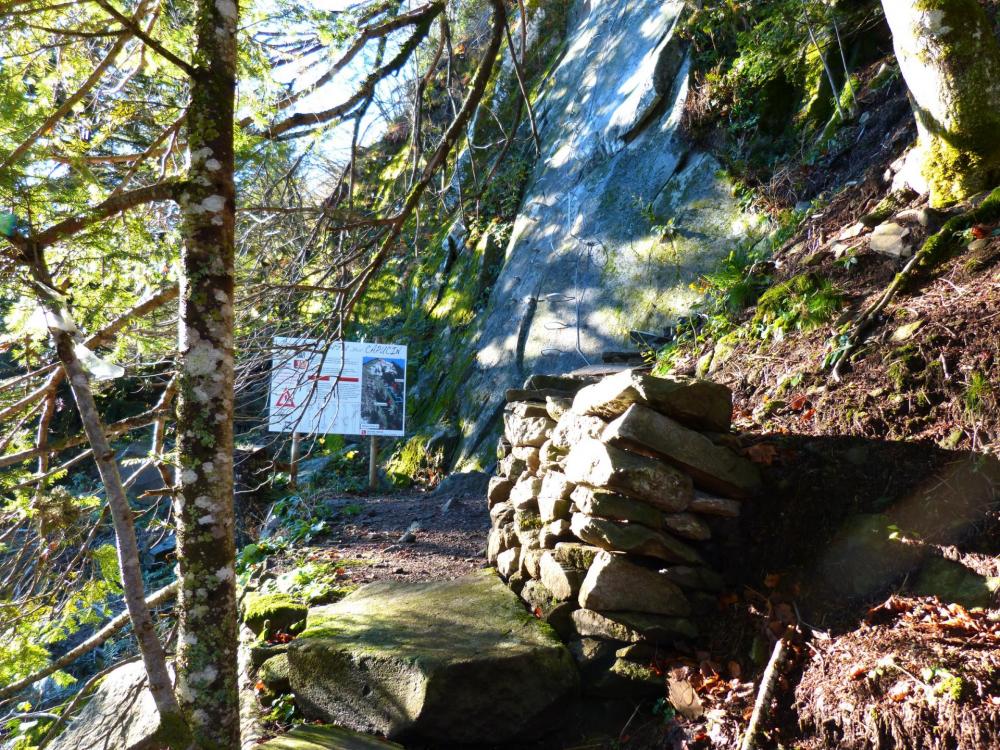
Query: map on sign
344, 387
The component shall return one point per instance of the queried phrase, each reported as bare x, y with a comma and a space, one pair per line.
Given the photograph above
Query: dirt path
411, 536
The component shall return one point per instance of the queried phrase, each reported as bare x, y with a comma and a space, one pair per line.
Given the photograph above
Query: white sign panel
345, 387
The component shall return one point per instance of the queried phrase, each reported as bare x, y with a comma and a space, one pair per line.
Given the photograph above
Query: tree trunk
206, 651
153, 656
950, 60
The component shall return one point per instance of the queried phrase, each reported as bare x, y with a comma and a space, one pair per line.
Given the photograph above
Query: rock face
449, 662
583, 248
120, 716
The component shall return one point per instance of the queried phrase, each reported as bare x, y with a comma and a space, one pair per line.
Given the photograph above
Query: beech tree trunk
950, 60
206, 652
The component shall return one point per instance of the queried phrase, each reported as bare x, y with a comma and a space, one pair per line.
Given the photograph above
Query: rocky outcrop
448, 662
609, 542
121, 715
619, 217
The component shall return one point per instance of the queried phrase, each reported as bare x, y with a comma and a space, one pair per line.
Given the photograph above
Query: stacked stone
603, 514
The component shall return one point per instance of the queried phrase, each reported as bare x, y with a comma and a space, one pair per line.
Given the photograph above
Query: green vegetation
978, 394
801, 303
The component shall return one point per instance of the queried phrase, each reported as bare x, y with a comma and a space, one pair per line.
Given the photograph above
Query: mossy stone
281, 612
451, 662
951, 581
274, 674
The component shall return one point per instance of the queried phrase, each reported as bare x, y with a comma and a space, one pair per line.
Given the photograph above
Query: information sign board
344, 387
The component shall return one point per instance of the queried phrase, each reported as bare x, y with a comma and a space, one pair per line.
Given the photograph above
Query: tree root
937, 248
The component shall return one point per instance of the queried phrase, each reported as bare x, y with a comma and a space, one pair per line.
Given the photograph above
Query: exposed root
935, 249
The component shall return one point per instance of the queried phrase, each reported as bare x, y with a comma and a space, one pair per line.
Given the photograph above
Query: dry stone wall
605, 512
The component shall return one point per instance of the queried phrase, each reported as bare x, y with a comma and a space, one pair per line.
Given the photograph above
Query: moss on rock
273, 612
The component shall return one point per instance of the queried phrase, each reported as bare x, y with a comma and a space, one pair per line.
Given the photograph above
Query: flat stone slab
450, 662
595, 464
701, 404
327, 738
714, 467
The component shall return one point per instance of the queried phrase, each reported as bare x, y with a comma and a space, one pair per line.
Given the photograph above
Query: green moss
527, 521
266, 614
274, 674
412, 462
803, 302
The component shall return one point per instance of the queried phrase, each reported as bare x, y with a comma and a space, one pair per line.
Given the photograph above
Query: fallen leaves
900, 691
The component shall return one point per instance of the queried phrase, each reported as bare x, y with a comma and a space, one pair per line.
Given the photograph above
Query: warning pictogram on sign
285, 400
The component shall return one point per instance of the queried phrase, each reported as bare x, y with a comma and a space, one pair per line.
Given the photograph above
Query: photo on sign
383, 393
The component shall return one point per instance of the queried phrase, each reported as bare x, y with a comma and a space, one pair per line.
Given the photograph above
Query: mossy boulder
279, 613
951, 581
450, 662
274, 674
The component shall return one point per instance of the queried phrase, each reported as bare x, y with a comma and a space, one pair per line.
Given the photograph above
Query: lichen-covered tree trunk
206, 651
950, 60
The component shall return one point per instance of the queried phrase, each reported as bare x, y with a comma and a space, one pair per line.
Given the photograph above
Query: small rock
891, 239
556, 407
525, 493
554, 532
501, 514
576, 554
512, 468
632, 627
979, 244
529, 454
509, 561
553, 497
715, 506
697, 403
531, 562
852, 231
572, 428
604, 504
931, 218
687, 526
906, 330
562, 580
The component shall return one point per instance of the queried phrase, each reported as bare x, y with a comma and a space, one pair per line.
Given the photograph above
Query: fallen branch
762, 705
